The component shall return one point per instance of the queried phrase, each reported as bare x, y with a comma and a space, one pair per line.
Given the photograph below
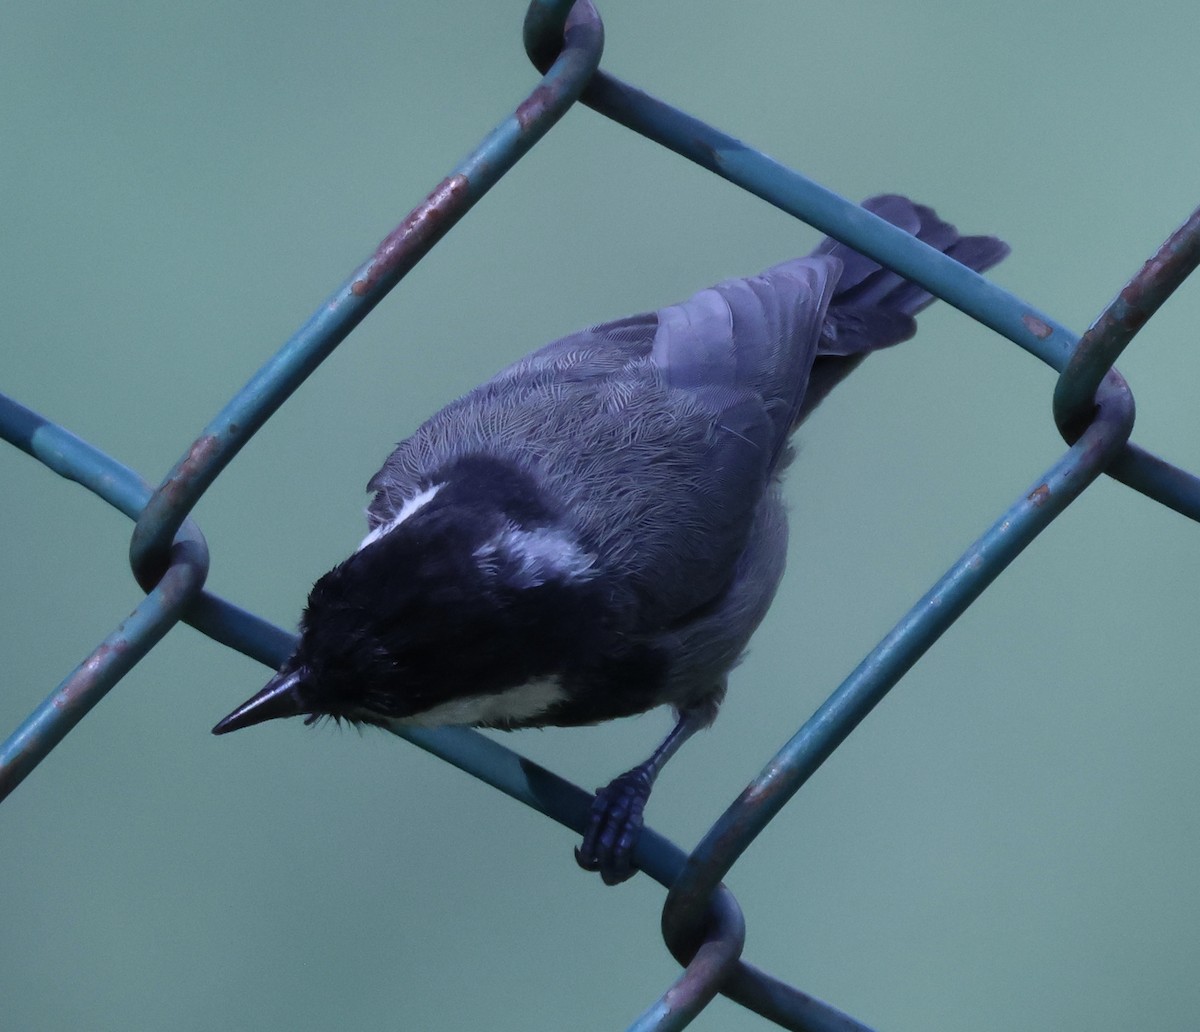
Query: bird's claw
613, 826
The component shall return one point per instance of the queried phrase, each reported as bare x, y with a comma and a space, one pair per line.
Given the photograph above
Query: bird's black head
475, 587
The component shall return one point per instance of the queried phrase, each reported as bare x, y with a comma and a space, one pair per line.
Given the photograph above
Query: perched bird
598, 529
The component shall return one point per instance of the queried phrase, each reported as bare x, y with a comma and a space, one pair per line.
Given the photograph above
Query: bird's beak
280, 698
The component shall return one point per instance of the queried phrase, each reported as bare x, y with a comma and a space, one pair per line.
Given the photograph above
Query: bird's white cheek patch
406, 510
514, 705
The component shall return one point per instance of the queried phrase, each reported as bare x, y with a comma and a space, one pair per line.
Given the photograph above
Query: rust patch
149, 568
84, 679
1036, 326
1138, 308
198, 456
1176, 259
1039, 495
534, 107
423, 225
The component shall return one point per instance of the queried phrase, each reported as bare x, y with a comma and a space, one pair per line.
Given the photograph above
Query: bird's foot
613, 826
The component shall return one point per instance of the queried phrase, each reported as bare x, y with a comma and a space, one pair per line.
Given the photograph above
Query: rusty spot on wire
1110, 334
1162, 272
533, 107
85, 677
1039, 495
1036, 326
423, 223
197, 457
150, 568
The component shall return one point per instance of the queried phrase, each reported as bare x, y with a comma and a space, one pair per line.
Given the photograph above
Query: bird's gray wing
758, 334
656, 434
502, 416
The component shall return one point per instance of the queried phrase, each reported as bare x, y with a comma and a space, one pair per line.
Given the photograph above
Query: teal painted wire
89, 682
708, 969
1158, 479
842, 712
657, 857
164, 512
250, 408
799, 196
72, 457
1127, 313
1103, 343
176, 596
157, 613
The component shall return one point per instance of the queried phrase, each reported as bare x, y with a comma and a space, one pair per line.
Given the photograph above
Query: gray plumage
598, 529
662, 435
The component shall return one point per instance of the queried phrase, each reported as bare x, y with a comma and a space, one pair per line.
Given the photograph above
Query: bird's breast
523, 705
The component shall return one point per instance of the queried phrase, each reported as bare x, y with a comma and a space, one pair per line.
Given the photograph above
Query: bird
598, 529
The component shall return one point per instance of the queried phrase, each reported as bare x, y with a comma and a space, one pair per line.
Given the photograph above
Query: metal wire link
701, 921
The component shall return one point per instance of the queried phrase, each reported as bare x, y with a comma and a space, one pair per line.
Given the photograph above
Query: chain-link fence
702, 924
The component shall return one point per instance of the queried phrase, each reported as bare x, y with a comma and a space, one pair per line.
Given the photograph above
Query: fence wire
701, 921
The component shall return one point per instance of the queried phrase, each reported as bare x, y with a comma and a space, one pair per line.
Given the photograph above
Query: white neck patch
540, 555
410, 506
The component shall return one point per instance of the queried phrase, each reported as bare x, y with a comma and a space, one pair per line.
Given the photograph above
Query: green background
1008, 841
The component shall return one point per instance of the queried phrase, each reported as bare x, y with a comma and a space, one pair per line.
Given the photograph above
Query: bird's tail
873, 307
